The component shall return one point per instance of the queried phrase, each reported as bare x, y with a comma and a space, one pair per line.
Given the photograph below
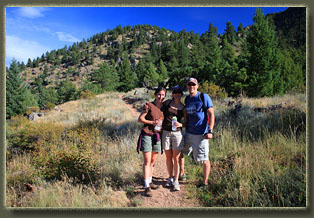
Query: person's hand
158, 122
177, 124
208, 136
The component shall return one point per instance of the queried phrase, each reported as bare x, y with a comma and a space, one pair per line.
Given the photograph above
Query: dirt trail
163, 197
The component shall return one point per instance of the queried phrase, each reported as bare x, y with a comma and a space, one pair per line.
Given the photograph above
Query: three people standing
199, 120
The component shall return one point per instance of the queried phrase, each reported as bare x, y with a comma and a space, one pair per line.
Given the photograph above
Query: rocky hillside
78, 61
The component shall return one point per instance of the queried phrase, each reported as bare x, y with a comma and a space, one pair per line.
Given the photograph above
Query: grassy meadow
85, 155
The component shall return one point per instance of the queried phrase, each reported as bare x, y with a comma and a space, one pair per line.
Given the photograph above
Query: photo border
223, 211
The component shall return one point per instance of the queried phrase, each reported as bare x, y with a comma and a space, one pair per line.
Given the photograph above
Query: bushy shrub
50, 106
32, 135
32, 109
213, 90
73, 161
87, 94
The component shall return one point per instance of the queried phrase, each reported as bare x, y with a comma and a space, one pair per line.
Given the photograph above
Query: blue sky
32, 31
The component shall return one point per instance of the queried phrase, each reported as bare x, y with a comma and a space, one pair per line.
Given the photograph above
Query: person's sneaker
176, 186
169, 182
148, 192
182, 177
153, 186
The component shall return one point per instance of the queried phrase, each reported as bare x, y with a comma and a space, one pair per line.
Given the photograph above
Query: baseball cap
192, 80
177, 88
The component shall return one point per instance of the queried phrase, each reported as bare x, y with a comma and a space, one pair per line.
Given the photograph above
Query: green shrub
50, 106
213, 90
32, 135
32, 109
72, 161
87, 94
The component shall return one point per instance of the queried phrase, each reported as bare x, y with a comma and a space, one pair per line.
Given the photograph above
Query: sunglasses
191, 84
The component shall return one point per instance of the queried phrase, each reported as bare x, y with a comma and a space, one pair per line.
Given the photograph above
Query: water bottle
174, 119
158, 126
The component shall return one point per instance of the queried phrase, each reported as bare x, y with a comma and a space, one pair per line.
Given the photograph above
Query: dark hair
160, 89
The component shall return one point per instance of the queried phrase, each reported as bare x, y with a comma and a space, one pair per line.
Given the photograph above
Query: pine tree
140, 70
66, 91
151, 77
163, 73
230, 78
106, 76
212, 68
229, 33
183, 54
18, 97
240, 31
264, 59
128, 78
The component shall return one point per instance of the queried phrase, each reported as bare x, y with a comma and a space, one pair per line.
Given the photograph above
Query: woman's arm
142, 119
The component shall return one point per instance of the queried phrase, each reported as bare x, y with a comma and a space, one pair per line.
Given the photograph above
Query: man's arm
211, 122
211, 115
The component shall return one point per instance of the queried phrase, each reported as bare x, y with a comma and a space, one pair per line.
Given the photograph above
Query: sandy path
163, 197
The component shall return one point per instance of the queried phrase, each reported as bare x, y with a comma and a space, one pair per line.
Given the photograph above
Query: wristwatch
210, 131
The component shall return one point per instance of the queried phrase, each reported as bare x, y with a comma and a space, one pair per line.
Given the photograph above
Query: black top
168, 115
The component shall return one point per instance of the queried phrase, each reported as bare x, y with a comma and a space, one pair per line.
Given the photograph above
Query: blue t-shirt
197, 122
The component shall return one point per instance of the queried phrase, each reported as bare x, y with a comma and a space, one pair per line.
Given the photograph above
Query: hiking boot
182, 177
176, 186
153, 186
169, 182
148, 192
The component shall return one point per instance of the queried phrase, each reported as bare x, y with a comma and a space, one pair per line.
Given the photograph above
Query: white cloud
30, 12
22, 49
64, 37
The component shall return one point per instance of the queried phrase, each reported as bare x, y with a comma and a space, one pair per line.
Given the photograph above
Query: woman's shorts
148, 146
172, 140
199, 144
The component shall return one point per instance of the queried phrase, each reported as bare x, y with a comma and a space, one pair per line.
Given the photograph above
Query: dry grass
100, 133
107, 106
297, 100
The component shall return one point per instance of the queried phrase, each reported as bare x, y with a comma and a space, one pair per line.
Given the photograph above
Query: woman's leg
152, 163
181, 163
147, 167
176, 156
169, 162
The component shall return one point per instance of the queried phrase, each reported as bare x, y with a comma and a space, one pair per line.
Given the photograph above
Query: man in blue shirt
199, 125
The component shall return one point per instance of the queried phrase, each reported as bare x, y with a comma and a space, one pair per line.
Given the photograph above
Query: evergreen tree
292, 74
230, 34
264, 59
163, 73
212, 68
140, 70
240, 31
66, 91
230, 79
183, 54
106, 76
128, 78
29, 63
48, 95
18, 97
197, 58
151, 77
